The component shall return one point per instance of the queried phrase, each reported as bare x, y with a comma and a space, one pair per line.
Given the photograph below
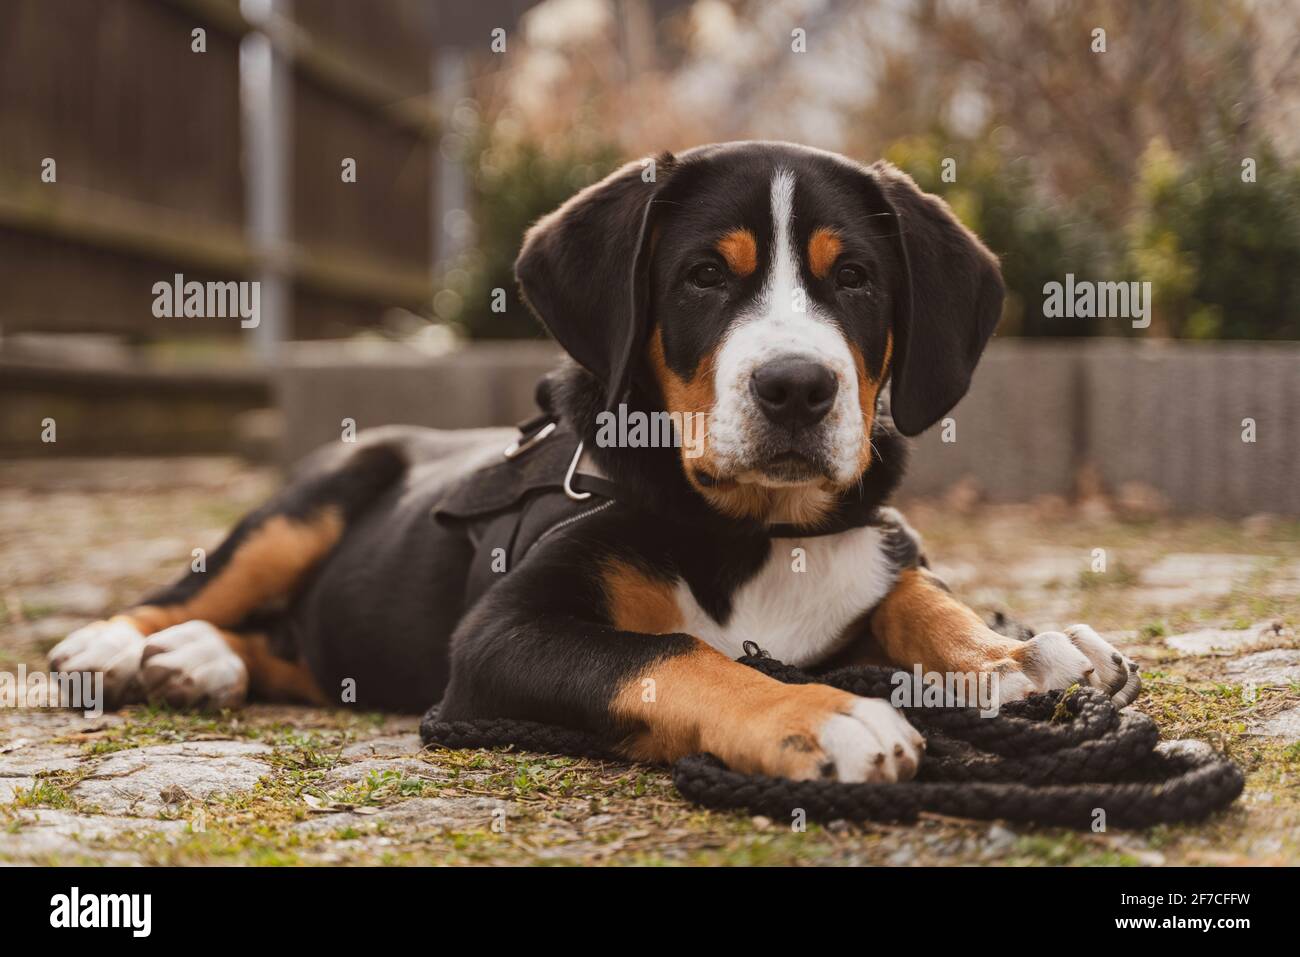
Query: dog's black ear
948, 305
585, 271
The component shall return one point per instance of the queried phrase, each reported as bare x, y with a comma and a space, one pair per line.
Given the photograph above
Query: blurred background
213, 138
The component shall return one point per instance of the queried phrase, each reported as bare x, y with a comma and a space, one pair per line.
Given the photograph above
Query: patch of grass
46, 793
52, 789
1062, 710
309, 752
148, 725
1186, 710
1068, 848
379, 788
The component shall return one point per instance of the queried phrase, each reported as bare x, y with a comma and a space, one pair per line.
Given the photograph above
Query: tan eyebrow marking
740, 249
823, 247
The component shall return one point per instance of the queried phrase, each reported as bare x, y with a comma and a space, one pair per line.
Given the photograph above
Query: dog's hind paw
112, 648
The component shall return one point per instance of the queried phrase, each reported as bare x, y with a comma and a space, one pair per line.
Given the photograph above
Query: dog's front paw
1055, 660
813, 732
112, 648
191, 666
873, 742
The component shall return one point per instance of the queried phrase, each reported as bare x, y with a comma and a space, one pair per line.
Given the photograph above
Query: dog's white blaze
798, 616
777, 326
783, 281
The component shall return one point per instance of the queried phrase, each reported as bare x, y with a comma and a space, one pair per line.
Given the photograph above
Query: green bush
513, 186
1223, 254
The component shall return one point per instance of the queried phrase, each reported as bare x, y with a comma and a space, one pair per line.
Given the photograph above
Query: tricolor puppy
766, 290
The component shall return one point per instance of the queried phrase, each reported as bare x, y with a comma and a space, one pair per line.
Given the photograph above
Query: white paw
873, 742
1055, 660
191, 666
112, 648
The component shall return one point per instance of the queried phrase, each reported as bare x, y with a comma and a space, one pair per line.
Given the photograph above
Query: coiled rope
1058, 758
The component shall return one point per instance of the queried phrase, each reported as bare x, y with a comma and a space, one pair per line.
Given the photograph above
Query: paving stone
1186, 577
9, 787
1212, 641
49, 835
388, 745
30, 758
133, 781
1284, 724
73, 598
1042, 567
48, 631
42, 724
462, 813
1277, 667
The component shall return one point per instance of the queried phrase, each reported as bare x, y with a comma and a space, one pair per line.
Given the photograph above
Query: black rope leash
1055, 758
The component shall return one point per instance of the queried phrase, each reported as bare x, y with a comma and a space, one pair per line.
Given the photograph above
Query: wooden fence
219, 154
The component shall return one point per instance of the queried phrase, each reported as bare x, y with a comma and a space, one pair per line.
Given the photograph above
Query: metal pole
266, 84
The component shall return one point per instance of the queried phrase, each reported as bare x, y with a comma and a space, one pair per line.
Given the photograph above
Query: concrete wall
118, 408
321, 384
1166, 415
1173, 418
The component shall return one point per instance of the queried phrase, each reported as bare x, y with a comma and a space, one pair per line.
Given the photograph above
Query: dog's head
768, 291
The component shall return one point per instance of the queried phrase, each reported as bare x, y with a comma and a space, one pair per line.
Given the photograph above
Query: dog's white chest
801, 601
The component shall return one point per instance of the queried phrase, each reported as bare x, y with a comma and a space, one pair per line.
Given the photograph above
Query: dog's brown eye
850, 277
706, 276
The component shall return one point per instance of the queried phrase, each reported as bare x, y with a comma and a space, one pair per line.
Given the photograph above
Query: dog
768, 290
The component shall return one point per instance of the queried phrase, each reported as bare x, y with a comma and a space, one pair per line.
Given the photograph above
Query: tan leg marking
269, 564
273, 678
638, 602
920, 623
148, 619
704, 701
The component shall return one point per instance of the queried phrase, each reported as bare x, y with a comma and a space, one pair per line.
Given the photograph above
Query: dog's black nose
794, 392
